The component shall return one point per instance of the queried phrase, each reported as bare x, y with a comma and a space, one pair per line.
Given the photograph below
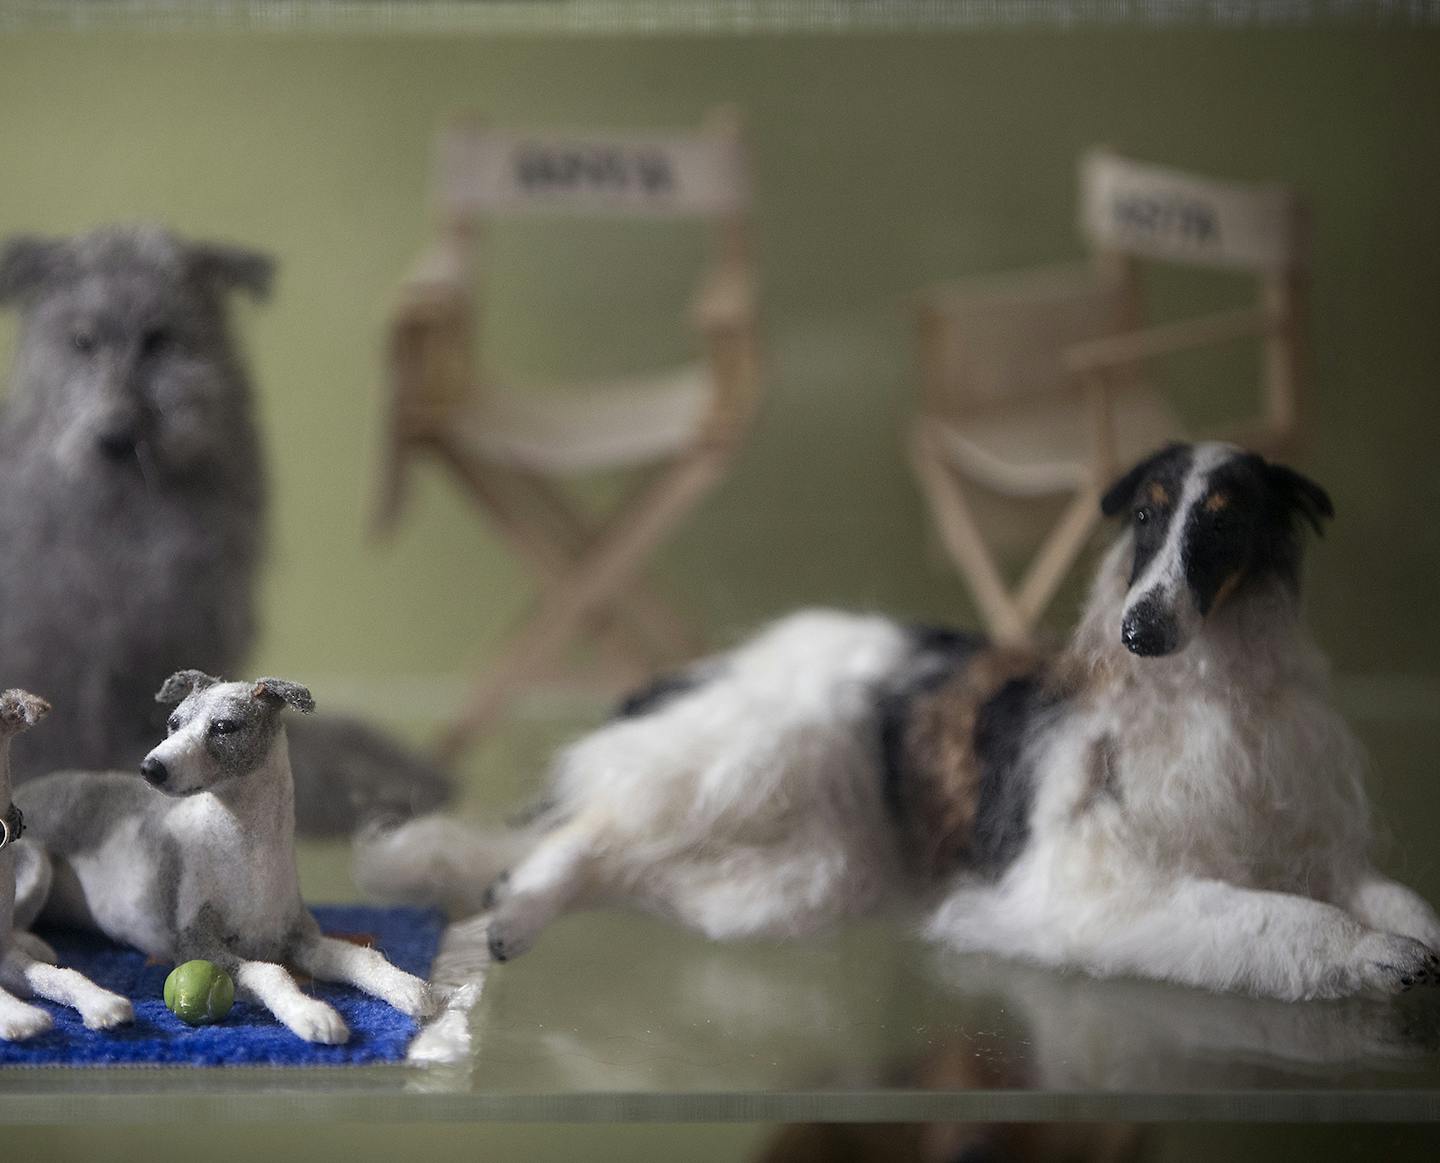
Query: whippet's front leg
270, 985
1210, 934
99, 1008
329, 959
19, 1020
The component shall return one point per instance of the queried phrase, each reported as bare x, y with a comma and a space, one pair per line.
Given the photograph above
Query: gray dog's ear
278, 690
26, 262
182, 684
233, 268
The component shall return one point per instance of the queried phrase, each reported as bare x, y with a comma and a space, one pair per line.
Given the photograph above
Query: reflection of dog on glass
132, 499
1173, 796
206, 869
26, 963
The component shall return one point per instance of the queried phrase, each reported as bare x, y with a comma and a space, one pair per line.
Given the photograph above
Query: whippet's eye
82, 341
173, 723
224, 727
154, 341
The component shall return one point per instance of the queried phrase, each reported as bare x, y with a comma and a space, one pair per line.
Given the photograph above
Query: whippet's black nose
117, 443
1148, 631
153, 771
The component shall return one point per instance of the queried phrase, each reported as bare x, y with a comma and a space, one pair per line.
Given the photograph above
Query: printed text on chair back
486, 171
1154, 212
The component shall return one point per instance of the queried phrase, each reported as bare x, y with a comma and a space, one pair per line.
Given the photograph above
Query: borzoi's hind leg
99, 1008
542, 886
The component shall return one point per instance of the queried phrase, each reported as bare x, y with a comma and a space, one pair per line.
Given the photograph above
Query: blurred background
883, 161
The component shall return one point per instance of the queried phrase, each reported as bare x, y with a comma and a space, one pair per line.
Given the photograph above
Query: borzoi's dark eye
173, 723
224, 727
1143, 514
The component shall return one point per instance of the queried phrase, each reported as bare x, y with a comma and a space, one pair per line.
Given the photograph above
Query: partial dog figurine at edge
26, 962
201, 863
1174, 795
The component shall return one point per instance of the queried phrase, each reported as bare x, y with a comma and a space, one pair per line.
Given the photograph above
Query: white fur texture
1233, 857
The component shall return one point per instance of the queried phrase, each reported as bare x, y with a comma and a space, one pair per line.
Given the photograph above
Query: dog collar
12, 824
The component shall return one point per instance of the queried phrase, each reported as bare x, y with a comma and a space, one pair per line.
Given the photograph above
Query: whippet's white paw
319, 1023
413, 997
106, 1012
19, 1021
1388, 963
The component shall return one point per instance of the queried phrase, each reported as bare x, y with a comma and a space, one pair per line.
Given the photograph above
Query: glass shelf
615, 1017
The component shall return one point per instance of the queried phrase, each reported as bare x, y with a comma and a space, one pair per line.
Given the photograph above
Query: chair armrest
1099, 355
439, 281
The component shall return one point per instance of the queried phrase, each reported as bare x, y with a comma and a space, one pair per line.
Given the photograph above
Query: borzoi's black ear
1299, 495
1122, 492
182, 684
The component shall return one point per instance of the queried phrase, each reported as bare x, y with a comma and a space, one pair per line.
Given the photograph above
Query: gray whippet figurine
25, 960
201, 862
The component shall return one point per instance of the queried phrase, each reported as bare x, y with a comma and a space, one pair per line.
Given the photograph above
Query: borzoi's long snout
1160, 621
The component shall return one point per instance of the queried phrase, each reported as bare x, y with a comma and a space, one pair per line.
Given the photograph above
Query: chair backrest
484, 172
1146, 211
1002, 340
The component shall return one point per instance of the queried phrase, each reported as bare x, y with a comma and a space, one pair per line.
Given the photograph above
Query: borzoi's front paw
1387, 963
319, 1023
510, 934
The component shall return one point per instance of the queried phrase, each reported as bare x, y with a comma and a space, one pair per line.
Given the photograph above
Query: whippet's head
219, 730
1208, 522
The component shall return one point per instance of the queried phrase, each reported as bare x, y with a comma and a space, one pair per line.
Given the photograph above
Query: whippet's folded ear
20, 709
278, 690
1122, 492
233, 268
1301, 496
182, 684
27, 262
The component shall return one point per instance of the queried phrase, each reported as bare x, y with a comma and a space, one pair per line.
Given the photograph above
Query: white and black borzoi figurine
26, 965
1173, 796
132, 509
201, 862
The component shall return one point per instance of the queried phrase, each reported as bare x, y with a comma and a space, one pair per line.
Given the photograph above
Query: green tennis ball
199, 992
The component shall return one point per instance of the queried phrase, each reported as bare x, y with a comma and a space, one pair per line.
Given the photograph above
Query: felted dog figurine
132, 503
1173, 796
201, 862
25, 961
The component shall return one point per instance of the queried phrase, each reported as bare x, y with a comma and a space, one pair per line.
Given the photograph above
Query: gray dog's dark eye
82, 341
173, 723
224, 727
154, 341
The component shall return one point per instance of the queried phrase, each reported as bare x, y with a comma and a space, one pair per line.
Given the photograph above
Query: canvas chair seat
1045, 448
576, 429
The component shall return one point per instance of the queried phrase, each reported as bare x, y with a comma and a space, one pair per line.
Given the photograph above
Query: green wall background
882, 163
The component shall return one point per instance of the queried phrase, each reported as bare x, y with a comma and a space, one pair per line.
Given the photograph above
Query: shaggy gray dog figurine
201, 863
131, 509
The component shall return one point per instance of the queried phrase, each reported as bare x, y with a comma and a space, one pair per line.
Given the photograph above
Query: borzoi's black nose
1148, 630
153, 771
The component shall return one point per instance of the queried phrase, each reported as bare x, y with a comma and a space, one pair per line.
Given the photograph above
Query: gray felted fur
132, 505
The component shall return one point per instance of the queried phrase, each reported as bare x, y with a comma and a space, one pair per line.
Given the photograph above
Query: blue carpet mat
249, 1036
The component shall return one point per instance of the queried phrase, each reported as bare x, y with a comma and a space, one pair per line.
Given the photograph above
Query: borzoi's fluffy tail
436, 860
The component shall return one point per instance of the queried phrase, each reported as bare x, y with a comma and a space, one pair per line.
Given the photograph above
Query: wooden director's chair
1032, 385
512, 450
